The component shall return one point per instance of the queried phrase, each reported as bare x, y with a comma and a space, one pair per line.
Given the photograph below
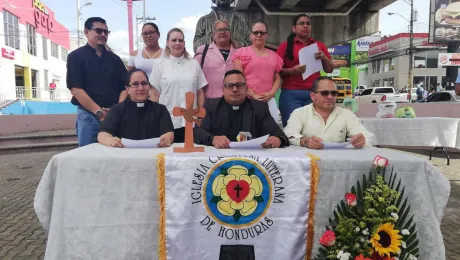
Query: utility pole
142, 19
411, 46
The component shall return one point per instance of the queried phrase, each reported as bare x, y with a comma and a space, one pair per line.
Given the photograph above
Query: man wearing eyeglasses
322, 121
234, 113
96, 78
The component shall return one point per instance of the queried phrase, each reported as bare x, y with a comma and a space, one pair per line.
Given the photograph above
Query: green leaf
237, 215
360, 207
398, 186
404, 216
216, 199
353, 190
259, 199
393, 182
336, 215
411, 248
360, 193
391, 177
384, 173
333, 223
345, 209
402, 208
412, 238
408, 223
251, 172
364, 182
223, 171
401, 196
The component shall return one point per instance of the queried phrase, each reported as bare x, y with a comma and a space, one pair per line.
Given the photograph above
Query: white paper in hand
307, 57
146, 143
328, 145
251, 144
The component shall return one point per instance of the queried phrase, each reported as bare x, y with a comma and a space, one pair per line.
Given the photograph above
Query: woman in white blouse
174, 75
144, 59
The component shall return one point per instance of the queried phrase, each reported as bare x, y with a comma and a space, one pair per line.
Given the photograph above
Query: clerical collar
235, 108
135, 104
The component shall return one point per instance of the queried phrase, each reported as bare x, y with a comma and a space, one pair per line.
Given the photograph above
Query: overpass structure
333, 21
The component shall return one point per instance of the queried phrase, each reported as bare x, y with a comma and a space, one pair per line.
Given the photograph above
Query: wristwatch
98, 113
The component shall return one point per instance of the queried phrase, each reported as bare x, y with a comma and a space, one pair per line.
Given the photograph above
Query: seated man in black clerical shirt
137, 118
233, 113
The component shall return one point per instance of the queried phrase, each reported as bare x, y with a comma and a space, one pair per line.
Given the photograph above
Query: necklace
153, 55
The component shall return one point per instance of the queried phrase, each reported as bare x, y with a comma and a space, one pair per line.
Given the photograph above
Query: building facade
388, 63
350, 59
34, 52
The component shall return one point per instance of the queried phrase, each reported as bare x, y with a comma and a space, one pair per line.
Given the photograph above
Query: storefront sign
9, 54
363, 44
444, 21
449, 59
340, 50
42, 17
378, 49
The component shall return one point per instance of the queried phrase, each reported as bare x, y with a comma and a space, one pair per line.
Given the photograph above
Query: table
436, 132
97, 202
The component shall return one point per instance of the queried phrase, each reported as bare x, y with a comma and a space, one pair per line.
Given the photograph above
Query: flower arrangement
372, 222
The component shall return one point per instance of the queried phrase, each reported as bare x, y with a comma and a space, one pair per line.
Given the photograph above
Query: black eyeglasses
136, 84
326, 93
222, 30
151, 33
238, 85
261, 33
100, 31
178, 40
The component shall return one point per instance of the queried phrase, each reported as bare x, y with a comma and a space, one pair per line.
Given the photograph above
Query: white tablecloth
421, 131
101, 203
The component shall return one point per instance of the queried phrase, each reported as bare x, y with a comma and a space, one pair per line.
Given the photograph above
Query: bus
344, 87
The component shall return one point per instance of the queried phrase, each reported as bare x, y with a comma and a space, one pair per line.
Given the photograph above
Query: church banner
221, 207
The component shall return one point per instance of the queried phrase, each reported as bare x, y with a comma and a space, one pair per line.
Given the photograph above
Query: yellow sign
41, 6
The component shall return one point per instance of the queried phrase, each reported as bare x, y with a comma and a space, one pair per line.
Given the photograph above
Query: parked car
381, 94
359, 89
442, 96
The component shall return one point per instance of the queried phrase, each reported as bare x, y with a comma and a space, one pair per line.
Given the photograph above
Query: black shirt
225, 53
235, 120
103, 78
130, 120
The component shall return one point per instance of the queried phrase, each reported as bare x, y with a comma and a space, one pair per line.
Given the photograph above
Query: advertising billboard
362, 44
340, 55
449, 59
444, 21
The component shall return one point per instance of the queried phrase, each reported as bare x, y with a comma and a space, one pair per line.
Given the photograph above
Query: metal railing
42, 94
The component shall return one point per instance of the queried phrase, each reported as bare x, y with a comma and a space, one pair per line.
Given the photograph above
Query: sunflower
386, 240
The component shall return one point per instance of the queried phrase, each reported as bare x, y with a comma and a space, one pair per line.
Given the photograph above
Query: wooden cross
188, 113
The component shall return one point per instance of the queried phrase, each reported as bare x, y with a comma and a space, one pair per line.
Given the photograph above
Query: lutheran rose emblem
239, 190
237, 193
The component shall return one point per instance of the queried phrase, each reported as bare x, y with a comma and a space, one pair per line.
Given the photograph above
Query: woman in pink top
217, 60
261, 67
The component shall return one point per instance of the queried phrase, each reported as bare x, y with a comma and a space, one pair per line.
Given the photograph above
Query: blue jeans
88, 126
290, 100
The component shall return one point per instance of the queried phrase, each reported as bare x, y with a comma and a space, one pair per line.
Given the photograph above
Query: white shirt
173, 77
342, 123
139, 62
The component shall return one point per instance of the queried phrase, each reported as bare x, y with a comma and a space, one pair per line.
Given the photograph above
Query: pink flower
351, 199
328, 238
380, 161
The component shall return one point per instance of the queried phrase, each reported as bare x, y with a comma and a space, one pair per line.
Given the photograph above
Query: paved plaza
22, 237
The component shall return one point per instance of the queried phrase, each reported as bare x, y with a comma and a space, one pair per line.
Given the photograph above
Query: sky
184, 15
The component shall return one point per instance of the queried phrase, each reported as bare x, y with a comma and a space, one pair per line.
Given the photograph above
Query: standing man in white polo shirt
322, 121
